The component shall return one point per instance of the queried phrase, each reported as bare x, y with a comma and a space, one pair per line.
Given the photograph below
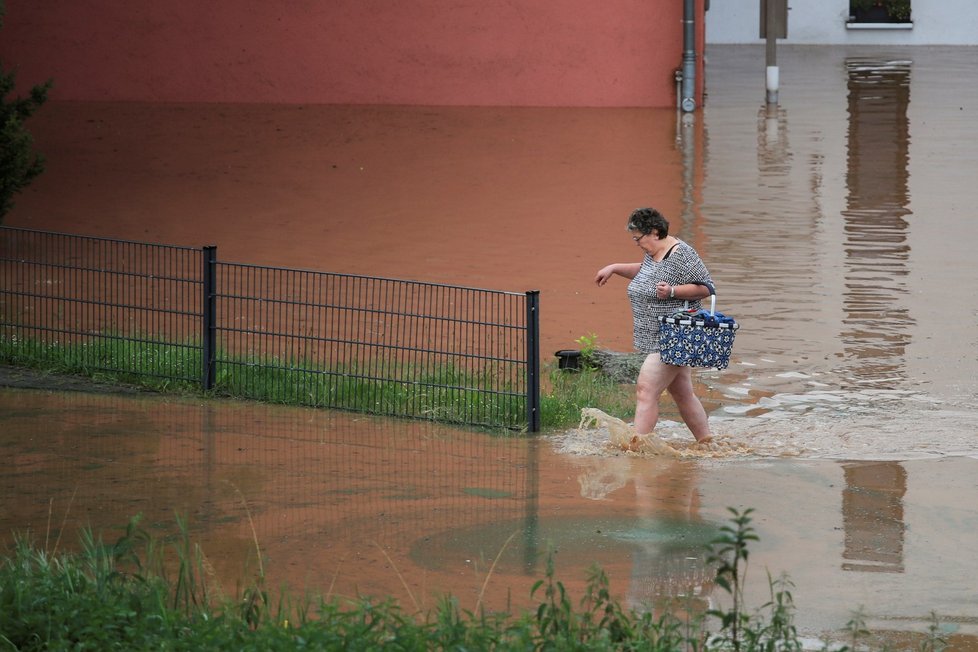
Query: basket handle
713, 295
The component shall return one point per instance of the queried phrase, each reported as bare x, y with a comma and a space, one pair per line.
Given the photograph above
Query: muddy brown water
837, 226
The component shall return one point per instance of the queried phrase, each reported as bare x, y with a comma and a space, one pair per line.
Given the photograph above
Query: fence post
209, 316
533, 360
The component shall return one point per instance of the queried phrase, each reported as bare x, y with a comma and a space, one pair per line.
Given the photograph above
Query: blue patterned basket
697, 338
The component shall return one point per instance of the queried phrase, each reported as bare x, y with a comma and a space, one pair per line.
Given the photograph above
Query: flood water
837, 226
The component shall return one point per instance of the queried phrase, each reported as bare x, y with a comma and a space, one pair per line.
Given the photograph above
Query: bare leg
653, 378
690, 407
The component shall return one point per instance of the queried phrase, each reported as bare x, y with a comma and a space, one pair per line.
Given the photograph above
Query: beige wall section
420, 52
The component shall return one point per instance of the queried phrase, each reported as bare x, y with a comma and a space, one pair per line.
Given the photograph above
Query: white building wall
823, 22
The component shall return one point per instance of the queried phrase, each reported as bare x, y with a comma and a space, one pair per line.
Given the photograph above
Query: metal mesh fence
376, 345
384, 346
100, 305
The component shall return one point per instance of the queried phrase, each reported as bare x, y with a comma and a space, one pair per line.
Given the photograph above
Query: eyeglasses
638, 238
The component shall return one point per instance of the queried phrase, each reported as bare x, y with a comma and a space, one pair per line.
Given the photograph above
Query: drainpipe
688, 103
771, 53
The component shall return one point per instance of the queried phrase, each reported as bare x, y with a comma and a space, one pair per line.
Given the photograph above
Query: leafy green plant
777, 631
600, 622
19, 164
730, 552
555, 615
856, 628
588, 344
935, 640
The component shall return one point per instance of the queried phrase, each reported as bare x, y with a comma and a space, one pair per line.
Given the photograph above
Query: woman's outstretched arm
627, 270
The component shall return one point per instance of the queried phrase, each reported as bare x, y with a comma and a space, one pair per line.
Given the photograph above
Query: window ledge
879, 25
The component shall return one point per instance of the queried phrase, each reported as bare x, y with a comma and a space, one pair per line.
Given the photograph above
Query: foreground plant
729, 551
122, 596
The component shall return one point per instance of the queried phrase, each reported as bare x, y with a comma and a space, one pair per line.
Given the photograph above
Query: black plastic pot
568, 359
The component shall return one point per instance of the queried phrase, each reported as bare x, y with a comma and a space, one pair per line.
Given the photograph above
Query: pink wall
428, 52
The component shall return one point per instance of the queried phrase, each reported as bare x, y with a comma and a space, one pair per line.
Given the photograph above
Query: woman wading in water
660, 284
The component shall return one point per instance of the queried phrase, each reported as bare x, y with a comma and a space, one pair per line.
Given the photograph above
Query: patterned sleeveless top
680, 266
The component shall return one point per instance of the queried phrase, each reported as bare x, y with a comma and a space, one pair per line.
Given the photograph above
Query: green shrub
121, 597
19, 164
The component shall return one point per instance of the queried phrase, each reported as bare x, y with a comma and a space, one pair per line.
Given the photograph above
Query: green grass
161, 367
570, 391
445, 393
142, 593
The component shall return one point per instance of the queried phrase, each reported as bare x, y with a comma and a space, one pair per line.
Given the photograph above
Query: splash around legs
655, 377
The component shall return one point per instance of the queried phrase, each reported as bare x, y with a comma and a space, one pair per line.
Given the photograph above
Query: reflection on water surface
350, 505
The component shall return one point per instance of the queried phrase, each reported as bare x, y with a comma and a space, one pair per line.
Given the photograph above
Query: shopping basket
697, 338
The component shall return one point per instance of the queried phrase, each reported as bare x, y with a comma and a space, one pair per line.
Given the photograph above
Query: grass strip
444, 393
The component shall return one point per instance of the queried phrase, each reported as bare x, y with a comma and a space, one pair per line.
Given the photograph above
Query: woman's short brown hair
647, 220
